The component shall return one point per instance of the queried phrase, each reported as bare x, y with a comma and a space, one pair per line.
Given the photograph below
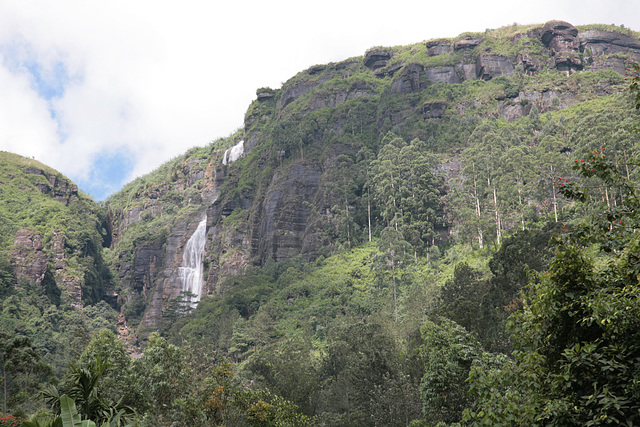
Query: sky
106, 91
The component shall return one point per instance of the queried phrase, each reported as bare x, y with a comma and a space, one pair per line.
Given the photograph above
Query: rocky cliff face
53, 233
54, 185
564, 49
275, 202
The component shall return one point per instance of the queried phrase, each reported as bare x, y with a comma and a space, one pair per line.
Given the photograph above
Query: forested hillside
429, 234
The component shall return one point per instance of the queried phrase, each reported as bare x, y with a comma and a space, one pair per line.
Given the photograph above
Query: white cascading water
191, 271
234, 153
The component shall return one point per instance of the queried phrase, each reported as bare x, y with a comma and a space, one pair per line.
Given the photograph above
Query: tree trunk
395, 295
369, 211
498, 222
4, 386
521, 208
555, 202
477, 200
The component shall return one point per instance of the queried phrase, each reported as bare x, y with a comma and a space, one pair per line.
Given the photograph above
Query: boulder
389, 71
559, 35
438, 50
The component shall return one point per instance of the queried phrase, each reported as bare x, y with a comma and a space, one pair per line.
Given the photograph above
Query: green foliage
49, 338
189, 386
115, 383
22, 370
578, 353
634, 86
41, 200
406, 190
288, 369
461, 297
340, 337
517, 262
368, 379
448, 352
7, 278
69, 414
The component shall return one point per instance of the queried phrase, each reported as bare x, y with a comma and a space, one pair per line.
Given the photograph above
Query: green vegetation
68, 224
473, 260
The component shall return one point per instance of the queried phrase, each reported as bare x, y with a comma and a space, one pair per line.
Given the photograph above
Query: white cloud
26, 125
155, 78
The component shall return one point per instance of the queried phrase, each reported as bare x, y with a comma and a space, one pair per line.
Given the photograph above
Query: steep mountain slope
51, 233
299, 178
355, 249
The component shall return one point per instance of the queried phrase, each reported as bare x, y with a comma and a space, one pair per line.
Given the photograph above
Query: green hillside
431, 234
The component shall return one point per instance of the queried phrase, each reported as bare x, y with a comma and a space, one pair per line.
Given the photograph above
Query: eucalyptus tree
552, 166
345, 182
577, 338
517, 177
407, 190
483, 168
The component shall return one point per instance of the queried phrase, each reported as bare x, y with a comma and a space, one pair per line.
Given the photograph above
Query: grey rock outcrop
284, 214
468, 71
530, 64
608, 50
409, 81
27, 258
608, 43
154, 272
438, 47
433, 110
265, 94
562, 40
62, 189
31, 261
489, 66
376, 59
468, 43
295, 91
442, 74
357, 90
619, 65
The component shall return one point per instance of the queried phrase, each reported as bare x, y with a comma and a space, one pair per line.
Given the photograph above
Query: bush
8, 420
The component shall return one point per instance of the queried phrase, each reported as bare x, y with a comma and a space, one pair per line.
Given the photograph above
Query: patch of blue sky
109, 171
49, 79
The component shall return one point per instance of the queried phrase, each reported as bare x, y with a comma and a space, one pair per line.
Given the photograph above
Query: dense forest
436, 234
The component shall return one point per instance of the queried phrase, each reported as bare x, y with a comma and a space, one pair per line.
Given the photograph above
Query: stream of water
191, 271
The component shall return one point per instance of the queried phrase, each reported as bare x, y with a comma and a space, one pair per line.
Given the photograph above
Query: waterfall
234, 153
191, 271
